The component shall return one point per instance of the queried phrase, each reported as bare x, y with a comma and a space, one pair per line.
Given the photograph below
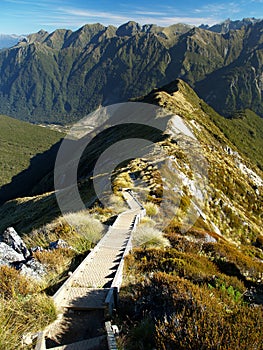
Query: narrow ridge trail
89, 295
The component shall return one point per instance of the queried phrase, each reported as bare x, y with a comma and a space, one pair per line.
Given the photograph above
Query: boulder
37, 249
58, 244
33, 269
209, 239
14, 253
8, 255
11, 238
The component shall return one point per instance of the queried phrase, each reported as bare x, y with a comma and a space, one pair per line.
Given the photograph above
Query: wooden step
79, 298
98, 343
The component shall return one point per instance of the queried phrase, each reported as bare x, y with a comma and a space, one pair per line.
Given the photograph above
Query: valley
194, 256
131, 188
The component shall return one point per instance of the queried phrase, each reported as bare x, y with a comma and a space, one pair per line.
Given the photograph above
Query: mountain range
61, 76
209, 275
9, 40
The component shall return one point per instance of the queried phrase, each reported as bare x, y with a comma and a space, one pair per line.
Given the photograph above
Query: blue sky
28, 16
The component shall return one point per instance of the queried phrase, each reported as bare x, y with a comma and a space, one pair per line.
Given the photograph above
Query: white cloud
54, 14
149, 13
78, 13
78, 17
223, 8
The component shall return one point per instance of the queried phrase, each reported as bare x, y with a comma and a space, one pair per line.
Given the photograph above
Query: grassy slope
183, 296
20, 142
245, 132
208, 279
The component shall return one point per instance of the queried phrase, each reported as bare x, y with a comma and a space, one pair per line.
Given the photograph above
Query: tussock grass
23, 309
13, 284
117, 204
80, 230
20, 316
152, 209
149, 237
85, 225
122, 180
147, 221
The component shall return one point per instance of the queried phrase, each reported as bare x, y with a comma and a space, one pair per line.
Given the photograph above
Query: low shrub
141, 335
192, 266
233, 262
206, 329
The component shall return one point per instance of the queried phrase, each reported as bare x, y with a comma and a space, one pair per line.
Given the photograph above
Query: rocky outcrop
8, 255
14, 253
12, 239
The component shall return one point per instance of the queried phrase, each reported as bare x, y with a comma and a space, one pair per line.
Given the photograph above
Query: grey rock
58, 244
8, 255
209, 239
13, 252
37, 249
33, 269
11, 238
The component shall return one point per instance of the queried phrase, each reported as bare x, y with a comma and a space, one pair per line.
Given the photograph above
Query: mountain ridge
213, 254
60, 77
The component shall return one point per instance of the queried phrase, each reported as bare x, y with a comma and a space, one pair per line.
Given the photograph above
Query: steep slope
20, 143
239, 84
209, 280
244, 130
196, 267
228, 25
234, 191
61, 76
234, 182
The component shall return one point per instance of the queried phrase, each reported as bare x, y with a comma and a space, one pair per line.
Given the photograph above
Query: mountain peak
227, 25
129, 29
40, 36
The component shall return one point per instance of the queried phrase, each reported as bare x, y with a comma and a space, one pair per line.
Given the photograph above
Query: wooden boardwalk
89, 295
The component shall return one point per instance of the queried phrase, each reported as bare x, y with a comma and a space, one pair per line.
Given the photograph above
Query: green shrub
206, 329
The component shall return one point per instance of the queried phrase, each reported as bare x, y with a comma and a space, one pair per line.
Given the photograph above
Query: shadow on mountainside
38, 178
23, 183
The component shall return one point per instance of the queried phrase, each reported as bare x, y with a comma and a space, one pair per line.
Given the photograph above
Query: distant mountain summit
7, 40
228, 25
61, 76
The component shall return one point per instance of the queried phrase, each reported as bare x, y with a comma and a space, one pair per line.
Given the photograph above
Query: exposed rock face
33, 269
8, 255
11, 238
13, 252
